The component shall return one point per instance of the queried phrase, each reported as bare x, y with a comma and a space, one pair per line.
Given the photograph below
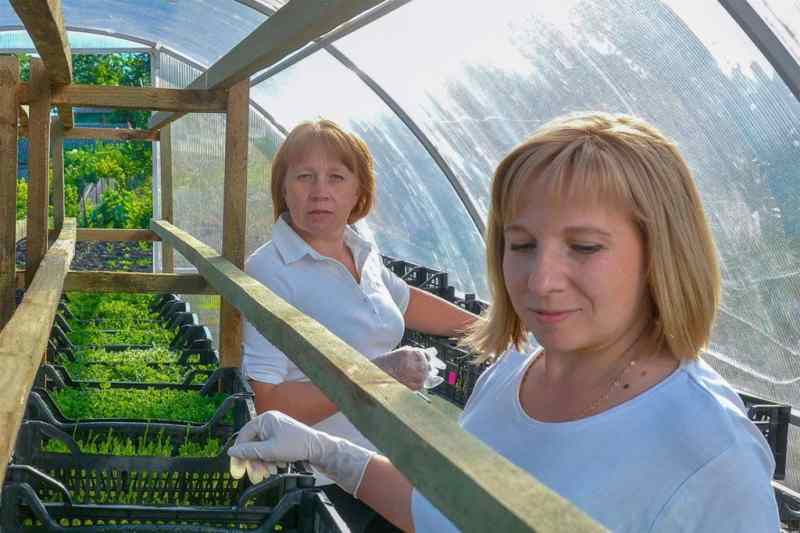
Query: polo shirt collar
292, 247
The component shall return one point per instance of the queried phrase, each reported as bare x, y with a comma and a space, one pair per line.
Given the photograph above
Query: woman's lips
552, 317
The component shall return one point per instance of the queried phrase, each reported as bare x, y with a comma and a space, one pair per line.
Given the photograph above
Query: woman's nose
319, 188
546, 273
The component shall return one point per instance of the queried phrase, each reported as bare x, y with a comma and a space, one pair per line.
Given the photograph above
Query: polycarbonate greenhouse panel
19, 39
203, 30
417, 216
479, 85
783, 18
198, 168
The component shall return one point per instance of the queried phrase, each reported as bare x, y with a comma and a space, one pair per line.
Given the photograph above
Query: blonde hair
624, 161
348, 147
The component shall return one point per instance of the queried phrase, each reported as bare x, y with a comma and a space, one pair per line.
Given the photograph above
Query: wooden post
9, 78
38, 159
57, 138
234, 213
165, 151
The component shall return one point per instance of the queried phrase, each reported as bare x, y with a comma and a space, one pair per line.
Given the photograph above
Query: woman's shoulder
702, 404
503, 371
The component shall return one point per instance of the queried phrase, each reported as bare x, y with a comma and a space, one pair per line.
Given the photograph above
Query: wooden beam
234, 215
57, 149
66, 117
101, 234
187, 100
293, 26
38, 163
478, 489
24, 339
9, 110
44, 22
111, 134
165, 152
137, 282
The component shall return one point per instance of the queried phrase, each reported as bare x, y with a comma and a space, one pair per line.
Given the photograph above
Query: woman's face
575, 272
320, 193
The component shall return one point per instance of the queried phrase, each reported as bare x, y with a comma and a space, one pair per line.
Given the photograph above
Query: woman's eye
587, 248
304, 177
521, 246
337, 177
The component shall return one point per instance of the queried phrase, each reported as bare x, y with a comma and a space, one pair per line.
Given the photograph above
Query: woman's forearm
300, 400
430, 314
387, 491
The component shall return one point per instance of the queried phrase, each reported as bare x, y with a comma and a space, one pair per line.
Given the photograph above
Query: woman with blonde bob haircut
599, 249
323, 181
624, 161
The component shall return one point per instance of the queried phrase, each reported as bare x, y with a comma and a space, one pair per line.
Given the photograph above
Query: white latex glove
407, 364
273, 438
433, 379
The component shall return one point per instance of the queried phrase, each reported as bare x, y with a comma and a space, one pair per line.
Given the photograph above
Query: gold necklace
617, 381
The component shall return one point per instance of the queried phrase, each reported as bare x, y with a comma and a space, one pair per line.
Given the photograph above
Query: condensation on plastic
203, 30
480, 86
19, 39
417, 216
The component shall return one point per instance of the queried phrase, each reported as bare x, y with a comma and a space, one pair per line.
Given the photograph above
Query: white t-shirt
682, 456
367, 316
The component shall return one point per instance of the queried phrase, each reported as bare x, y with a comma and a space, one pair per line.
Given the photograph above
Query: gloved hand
274, 438
433, 379
406, 364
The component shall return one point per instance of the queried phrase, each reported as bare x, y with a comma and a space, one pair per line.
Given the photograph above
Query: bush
22, 199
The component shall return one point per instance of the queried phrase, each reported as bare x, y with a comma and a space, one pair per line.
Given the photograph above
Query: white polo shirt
367, 316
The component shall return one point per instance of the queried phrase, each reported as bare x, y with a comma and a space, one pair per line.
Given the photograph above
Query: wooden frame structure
484, 490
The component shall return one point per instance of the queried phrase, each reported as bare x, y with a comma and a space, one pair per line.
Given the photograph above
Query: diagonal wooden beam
291, 27
44, 21
24, 339
188, 100
111, 134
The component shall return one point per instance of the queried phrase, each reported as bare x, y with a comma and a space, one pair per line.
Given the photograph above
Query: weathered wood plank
111, 134
102, 234
44, 21
293, 26
24, 339
165, 151
101, 281
9, 110
57, 141
187, 100
38, 163
137, 282
234, 218
66, 117
475, 487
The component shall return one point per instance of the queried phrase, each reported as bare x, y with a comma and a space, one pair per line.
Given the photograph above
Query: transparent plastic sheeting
417, 216
203, 30
783, 18
20, 40
198, 168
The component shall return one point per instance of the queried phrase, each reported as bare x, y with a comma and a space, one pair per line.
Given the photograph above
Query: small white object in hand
433, 379
257, 471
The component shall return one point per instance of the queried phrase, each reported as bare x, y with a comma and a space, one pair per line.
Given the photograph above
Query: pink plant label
452, 378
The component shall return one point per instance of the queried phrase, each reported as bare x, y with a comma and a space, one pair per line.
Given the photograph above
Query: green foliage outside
22, 199
129, 204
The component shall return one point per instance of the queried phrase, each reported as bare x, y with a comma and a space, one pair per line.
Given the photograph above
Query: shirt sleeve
261, 360
731, 493
399, 289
